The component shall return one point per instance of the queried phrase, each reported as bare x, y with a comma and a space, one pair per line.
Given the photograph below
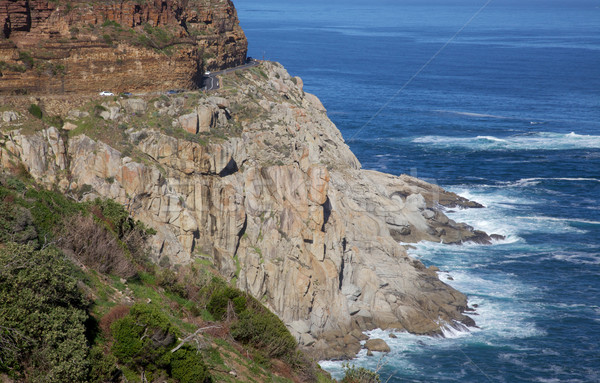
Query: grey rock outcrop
377, 345
9, 116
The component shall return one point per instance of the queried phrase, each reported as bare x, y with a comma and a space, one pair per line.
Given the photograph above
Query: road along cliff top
76, 46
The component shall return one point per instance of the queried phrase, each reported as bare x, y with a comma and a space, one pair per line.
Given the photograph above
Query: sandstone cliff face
282, 207
87, 46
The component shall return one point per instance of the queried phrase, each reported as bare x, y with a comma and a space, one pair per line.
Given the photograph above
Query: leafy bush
12, 67
35, 111
48, 209
103, 366
219, 301
255, 324
143, 336
117, 218
54, 121
169, 280
144, 340
16, 223
26, 59
264, 330
107, 39
111, 23
187, 366
43, 326
355, 374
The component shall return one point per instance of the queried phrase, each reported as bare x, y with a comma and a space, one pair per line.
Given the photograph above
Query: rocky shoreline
257, 179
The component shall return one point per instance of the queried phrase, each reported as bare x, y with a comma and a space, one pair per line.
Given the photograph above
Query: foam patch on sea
529, 141
499, 314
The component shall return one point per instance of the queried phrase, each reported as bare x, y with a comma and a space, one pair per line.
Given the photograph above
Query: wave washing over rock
256, 178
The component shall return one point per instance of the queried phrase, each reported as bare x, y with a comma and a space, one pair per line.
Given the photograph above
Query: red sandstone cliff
127, 45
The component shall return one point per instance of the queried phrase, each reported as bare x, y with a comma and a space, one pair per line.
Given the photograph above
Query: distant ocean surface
508, 114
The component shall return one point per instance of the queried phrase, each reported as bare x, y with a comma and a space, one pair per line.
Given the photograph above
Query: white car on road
105, 93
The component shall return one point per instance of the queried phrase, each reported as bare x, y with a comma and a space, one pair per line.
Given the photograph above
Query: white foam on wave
555, 219
401, 344
491, 196
500, 315
471, 114
454, 330
580, 258
534, 141
526, 182
504, 214
490, 138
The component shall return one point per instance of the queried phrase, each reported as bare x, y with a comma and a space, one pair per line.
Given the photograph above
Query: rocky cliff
126, 45
257, 180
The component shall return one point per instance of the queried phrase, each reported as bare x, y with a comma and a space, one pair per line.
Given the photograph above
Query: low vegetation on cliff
91, 307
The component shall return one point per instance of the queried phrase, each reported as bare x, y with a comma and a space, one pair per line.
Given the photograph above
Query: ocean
498, 101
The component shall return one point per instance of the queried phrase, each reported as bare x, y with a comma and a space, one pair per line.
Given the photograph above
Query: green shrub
127, 340
55, 121
48, 209
265, 331
239, 304
12, 67
103, 366
143, 341
355, 374
111, 23
26, 59
16, 223
219, 301
255, 324
35, 111
113, 214
167, 279
142, 337
44, 323
117, 218
187, 366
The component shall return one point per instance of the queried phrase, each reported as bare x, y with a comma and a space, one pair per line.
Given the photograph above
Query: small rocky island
252, 181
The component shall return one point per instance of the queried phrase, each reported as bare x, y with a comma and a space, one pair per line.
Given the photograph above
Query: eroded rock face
284, 208
83, 46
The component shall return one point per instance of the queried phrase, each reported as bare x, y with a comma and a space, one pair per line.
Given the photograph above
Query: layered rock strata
281, 206
88, 46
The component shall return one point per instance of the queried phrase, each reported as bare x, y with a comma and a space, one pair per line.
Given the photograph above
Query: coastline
339, 224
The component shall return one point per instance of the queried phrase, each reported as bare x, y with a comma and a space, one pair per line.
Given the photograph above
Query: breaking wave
533, 141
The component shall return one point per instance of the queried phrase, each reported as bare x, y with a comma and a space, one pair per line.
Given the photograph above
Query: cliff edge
79, 46
255, 179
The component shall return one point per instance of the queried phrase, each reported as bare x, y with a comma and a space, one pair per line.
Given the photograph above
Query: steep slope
257, 179
87, 46
80, 302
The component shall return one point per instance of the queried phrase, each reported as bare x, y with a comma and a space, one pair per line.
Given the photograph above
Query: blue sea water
506, 114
